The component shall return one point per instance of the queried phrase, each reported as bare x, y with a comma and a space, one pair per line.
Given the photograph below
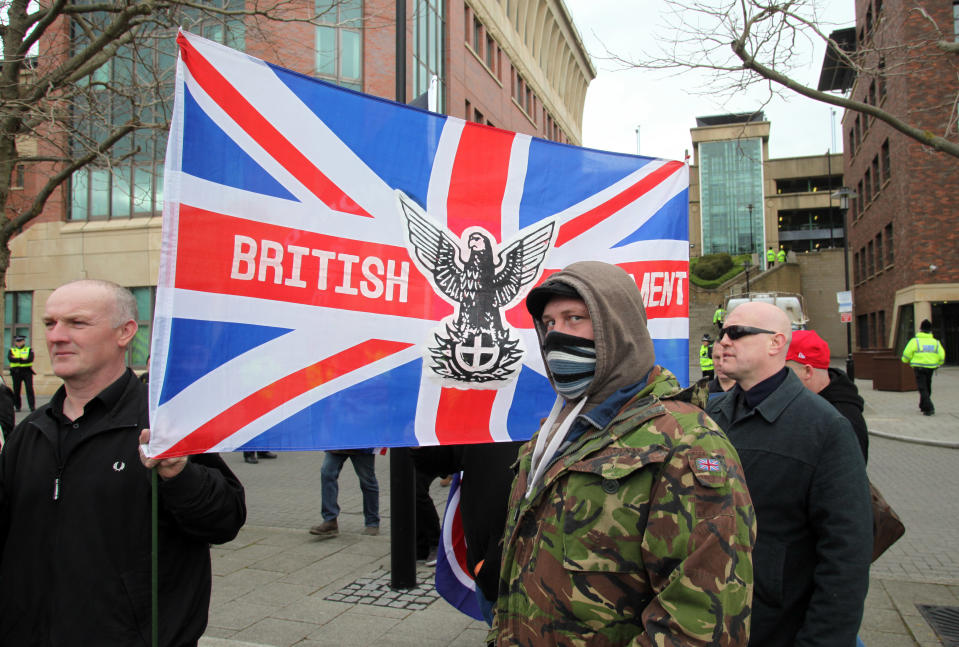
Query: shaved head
756, 356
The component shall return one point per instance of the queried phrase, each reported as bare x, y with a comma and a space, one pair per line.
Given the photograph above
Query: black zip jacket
843, 394
75, 534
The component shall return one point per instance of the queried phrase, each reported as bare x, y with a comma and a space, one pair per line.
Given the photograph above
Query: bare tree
744, 43
88, 84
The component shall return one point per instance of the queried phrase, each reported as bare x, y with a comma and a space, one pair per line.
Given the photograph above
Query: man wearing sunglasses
628, 522
808, 483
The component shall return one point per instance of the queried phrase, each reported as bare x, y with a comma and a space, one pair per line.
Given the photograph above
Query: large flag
341, 271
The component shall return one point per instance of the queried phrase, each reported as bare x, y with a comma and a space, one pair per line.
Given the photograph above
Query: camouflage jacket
640, 533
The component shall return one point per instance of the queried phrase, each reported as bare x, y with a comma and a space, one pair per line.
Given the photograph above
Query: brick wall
920, 199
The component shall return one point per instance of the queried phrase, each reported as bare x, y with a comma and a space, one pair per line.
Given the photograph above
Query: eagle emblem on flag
473, 347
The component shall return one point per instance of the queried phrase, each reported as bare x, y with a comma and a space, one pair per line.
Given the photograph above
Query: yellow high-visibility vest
20, 356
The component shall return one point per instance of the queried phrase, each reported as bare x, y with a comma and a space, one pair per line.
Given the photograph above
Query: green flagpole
154, 565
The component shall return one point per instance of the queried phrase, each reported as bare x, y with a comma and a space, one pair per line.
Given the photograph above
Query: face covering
571, 361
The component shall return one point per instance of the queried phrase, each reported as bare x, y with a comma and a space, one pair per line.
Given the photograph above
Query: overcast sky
664, 107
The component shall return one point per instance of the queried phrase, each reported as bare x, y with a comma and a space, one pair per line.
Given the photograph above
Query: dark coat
6, 410
75, 569
843, 394
487, 477
808, 484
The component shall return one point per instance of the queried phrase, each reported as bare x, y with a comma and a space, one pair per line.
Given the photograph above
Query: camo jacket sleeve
641, 534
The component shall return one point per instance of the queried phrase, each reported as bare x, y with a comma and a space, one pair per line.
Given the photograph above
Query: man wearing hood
629, 520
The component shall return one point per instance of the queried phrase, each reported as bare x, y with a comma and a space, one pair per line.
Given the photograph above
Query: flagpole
154, 562
402, 492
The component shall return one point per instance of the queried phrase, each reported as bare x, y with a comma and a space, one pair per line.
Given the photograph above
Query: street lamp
752, 238
844, 195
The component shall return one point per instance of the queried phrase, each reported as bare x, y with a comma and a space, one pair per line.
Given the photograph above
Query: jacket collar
771, 408
119, 399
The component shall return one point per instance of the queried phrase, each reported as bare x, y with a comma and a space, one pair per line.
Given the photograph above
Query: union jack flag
315, 288
707, 465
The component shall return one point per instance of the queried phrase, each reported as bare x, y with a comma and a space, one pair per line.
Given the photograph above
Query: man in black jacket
75, 492
808, 483
808, 357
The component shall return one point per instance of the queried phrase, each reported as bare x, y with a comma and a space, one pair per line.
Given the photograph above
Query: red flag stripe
463, 417
478, 180
264, 133
283, 390
477, 187
593, 217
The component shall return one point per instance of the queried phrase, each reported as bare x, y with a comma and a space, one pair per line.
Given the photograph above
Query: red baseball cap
808, 348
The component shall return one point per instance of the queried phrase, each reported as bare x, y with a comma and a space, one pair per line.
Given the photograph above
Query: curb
917, 441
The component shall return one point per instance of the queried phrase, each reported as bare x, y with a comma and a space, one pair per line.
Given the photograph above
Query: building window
881, 329
857, 275
882, 75
18, 315
339, 42
867, 184
858, 128
872, 93
884, 153
876, 178
870, 261
490, 53
862, 264
861, 200
16, 181
478, 116
872, 330
132, 184
862, 330
889, 256
879, 257
429, 49
477, 41
139, 349
852, 141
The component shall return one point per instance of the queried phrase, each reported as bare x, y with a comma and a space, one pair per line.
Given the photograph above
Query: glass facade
136, 83
429, 48
18, 313
731, 179
139, 348
803, 230
339, 42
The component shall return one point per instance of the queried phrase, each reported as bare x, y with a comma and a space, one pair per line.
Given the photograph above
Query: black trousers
427, 519
924, 384
22, 375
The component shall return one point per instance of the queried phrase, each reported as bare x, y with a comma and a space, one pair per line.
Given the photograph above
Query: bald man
808, 482
75, 522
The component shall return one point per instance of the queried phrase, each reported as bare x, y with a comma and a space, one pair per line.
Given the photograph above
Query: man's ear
779, 344
127, 331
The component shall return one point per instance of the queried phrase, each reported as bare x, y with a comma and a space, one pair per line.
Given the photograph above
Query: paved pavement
272, 584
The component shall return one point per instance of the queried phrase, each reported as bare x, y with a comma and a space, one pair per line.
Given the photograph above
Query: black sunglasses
735, 332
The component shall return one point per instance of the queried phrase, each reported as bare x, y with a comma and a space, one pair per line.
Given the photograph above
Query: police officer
924, 354
21, 370
770, 257
706, 356
718, 316
781, 255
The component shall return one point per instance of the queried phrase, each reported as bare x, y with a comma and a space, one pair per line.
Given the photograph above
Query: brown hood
624, 349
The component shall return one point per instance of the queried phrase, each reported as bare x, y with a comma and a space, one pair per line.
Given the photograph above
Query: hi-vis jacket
924, 351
